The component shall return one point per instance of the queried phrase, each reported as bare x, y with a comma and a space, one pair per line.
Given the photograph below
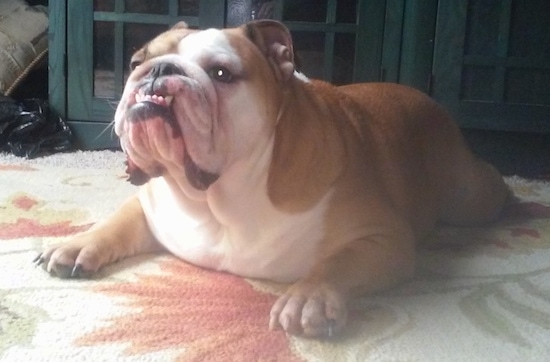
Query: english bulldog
248, 167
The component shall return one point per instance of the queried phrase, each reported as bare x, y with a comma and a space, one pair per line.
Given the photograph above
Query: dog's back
423, 159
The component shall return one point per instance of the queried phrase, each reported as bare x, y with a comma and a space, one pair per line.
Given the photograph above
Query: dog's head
203, 101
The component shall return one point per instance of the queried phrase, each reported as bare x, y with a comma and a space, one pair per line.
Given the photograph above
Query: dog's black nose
162, 69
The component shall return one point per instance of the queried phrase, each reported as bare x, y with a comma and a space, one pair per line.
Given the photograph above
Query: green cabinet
91, 42
487, 61
491, 64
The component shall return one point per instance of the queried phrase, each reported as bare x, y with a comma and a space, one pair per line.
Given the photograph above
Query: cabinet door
491, 63
339, 41
101, 37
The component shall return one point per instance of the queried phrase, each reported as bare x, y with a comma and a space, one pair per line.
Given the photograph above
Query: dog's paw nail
38, 260
77, 271
285, 323
330, 328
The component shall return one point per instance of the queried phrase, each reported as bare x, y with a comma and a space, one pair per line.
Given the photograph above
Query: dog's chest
265, 244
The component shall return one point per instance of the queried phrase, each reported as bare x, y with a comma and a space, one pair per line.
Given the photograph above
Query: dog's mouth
157, 108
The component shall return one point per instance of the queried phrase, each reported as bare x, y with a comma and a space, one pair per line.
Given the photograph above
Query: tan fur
391, 159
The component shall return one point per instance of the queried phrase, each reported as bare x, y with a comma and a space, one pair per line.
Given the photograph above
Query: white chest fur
262, 242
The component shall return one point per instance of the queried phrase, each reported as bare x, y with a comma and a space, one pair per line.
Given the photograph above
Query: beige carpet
479, 294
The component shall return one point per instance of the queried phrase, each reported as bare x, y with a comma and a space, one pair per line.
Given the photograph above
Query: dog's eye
134, 64
221, 74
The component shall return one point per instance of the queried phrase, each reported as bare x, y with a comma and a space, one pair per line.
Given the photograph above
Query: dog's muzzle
147, 108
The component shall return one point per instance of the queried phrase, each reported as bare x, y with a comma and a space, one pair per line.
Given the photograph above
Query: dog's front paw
310, 310
78, 258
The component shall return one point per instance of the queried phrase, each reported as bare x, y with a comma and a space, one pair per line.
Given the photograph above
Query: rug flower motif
212, 316
488, 288
25, 215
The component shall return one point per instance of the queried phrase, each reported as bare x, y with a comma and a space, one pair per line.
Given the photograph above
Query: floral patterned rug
481, 294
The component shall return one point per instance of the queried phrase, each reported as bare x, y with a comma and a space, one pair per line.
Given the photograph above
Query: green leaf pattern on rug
479, 293
18, 322
478, 308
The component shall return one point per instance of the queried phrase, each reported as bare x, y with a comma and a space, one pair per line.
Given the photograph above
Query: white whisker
113, 104
110, 126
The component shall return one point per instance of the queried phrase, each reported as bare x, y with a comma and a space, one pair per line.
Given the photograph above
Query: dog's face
203, 101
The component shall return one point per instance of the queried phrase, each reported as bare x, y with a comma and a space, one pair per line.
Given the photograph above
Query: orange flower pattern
24, 215
212, 315
487, 287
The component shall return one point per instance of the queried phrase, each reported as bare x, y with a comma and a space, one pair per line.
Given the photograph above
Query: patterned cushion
23, 41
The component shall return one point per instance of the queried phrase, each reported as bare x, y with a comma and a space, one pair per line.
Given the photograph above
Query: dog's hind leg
476, 195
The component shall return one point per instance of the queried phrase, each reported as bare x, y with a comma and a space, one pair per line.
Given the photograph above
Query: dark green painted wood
57, 81
504, 117
321, 27
368, 40
507, 62
94, 135
212, 14
119, 65
79, 59
329, 42
328, 60
173, 8
118, 50
418, 43
391, 46
144, 18
396, 40
120, 6
449, 50
448, 68
278, 10
502, 49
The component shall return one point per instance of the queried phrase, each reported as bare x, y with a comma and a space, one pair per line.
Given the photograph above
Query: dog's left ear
275, 41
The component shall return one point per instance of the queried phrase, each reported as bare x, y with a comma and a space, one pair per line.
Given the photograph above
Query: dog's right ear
275, 42
180, 25
137, 58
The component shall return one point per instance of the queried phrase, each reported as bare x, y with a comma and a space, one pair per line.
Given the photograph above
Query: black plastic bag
28, 130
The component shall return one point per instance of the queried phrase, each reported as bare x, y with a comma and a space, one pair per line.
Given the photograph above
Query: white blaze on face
242, 126
235, 227
210, 48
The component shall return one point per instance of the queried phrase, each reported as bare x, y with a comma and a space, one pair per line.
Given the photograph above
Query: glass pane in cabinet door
527, 86
305, 10
346, 11
263, 9
482, 28
104, 5
344, 58
188, 7
242, 11
104, 83
135, 36
238, 12
477, 83
529, 30
310, 53
147, 7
